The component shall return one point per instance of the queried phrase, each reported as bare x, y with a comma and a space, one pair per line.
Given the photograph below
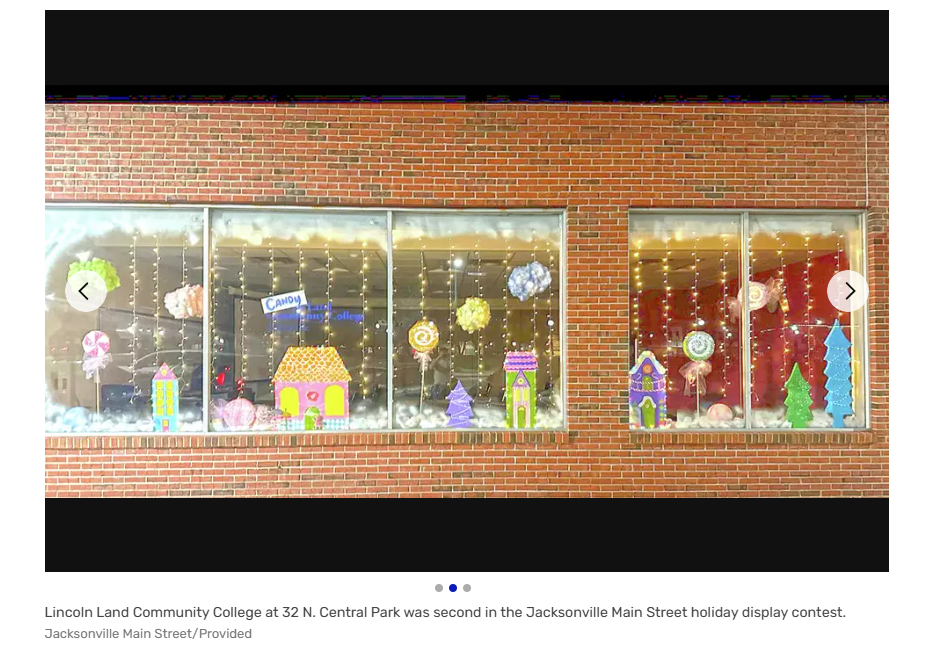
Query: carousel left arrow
85, 291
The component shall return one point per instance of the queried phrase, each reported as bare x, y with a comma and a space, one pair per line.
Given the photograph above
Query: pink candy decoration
185, 302
239, 413
720, 412
96, 344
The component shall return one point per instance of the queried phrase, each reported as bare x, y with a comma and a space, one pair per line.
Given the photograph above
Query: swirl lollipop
423, 336
97, 347
698, 346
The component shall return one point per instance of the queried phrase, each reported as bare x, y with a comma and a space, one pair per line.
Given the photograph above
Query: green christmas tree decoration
798, 399
838, 370
104, 269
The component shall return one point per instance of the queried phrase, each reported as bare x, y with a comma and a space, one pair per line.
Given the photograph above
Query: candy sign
283, 301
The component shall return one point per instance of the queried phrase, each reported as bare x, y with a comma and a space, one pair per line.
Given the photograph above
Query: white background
870, 602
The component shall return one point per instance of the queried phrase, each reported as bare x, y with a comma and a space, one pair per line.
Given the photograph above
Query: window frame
744, 272
207, 268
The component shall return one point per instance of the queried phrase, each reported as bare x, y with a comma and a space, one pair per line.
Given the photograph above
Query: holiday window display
311, 388
140, 253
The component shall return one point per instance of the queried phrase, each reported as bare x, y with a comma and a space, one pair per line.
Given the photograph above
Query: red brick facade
596, 161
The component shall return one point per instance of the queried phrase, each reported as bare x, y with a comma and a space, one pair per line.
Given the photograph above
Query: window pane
280, 362
146, 256
684, 285
497, 360
792, 259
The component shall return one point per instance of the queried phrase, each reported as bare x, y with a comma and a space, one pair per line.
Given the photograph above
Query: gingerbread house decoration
647, 383
521, 394
311, 388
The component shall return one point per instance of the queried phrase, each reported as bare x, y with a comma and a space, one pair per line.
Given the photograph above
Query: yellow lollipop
423, 336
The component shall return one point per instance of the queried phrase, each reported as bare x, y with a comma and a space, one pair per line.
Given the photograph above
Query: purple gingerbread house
647, 381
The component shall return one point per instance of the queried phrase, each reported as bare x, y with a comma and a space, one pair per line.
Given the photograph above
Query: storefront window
299, 320
803, 362
807, 357
135, 363
686, 330
477, 321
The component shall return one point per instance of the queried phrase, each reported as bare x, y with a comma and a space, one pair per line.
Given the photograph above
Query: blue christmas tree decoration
838, 370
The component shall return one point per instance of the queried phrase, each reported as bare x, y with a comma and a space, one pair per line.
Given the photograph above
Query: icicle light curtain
301, 332
726, 272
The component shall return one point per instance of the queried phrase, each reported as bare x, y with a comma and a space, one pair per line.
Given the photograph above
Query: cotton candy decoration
528, 280
473, 314
185, 302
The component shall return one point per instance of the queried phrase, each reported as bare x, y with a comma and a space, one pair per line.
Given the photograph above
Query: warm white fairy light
450, 297
637, 301
394, 315
244, 322
694, 287
363, 377
724, 328
479, 336
784, 307
838, 268
807, 311
327, 315
157, 332
550, 321
300, 265
534, 308
182, 321
133, 309
420, 239
505, 301
754, 346
216, 338
666, 313
271, 341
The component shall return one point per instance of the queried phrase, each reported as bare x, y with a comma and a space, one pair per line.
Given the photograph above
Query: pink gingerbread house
311, 387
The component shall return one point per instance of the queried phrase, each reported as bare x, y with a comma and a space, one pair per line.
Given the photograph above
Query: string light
327, 316
780, 275
550, 322
807, 311
724, 328
157, 332
637, 302
394, 316
271, 341
182, 322
133, 309
666, 313
694, 288
838, 269
479, 336
423, 274
300, 266
505, 302
754, 345
244, 320
362, 375
450, 298
217, 338
534, 309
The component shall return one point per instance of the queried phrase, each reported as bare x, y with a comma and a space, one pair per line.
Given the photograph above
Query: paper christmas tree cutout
459, 409
838, 370
798, 399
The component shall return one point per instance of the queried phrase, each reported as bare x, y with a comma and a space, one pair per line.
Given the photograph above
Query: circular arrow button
85, 291
848, 291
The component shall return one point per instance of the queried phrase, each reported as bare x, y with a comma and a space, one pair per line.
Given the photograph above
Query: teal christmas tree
459, 409
838, 370
798, 399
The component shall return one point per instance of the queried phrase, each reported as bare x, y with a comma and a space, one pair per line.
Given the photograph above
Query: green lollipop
698, 346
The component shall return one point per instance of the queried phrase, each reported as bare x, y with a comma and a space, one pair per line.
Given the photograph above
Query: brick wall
596, 161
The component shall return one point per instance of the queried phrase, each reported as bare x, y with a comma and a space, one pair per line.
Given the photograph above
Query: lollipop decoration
698, 346
528, 280
759, 296
473, 314
103, 268
423, 337
97, 347
185, 302
239, 413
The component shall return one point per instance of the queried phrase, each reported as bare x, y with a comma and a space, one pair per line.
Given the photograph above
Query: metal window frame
744, 271
207, 332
